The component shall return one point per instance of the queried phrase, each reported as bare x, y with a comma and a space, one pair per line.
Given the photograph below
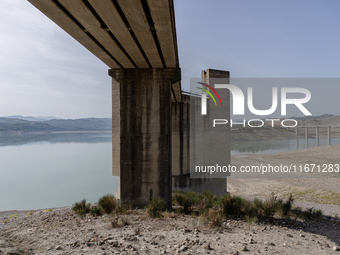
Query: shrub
307, 214
287, 206
268, 209
108, 203
232, 205
250, 220
272, 205
182, 200
82, 212
193, 198
215, 218
257, 208
96, 211
209, 199
123, 209
310, 214
297, 212
81, 207
317, 214
155, 207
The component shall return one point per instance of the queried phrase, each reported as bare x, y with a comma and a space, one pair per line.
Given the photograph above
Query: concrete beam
134, 13
109, 14
161, 15
53, 12
92, 25
177, 92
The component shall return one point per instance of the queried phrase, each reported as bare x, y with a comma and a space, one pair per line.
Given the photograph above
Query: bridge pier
141, 133
317, 136
329, 135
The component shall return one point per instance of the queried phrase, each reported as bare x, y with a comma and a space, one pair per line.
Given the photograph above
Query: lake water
44, 171
55, 170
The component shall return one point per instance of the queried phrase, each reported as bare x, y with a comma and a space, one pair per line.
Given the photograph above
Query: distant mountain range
25, 125
30, 118
323, 116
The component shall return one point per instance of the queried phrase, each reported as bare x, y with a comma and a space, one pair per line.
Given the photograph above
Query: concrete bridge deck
121, 33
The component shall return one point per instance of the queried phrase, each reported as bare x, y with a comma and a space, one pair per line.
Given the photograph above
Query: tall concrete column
141, 133
329, 135
296, 130
306, 136
180, 112
317, 136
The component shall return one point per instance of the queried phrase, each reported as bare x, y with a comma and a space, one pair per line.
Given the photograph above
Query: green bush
81, 207
296, 212
317, 214
209, 199
271, 206
123, 209
108, 203
155, 207
307, 214
232, 205
311, 214
250, 220
184, 200
96, 211
286, 207
201, 203
194, 198
257, 208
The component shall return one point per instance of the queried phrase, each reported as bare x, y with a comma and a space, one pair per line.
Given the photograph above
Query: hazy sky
45, 72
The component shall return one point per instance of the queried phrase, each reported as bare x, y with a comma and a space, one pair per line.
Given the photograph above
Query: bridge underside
127, 34
137, 40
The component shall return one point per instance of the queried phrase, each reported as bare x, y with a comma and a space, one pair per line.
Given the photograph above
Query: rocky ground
61, 231
310, 189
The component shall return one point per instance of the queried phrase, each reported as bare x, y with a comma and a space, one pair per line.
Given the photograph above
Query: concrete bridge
136, 39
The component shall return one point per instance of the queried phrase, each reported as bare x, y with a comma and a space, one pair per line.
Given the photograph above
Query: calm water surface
54, 170
44, 171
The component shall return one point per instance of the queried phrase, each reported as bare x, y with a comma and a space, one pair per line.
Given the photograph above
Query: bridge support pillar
317, 136
141, 133
329, 135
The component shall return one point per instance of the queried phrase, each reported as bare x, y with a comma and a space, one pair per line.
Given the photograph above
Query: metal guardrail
189, 93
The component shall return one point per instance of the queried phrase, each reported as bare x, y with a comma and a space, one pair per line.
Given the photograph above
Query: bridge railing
190, 93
